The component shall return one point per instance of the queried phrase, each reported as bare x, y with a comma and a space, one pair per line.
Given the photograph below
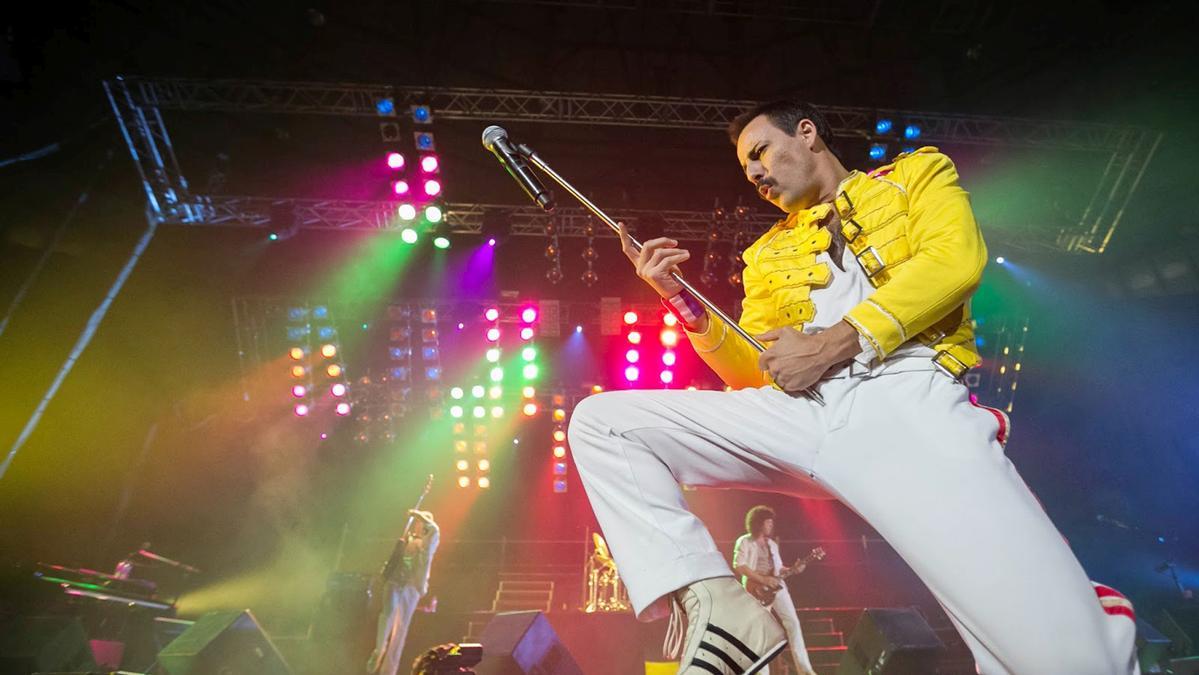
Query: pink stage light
667, 377
493, 334
632, 373
400, 187
491, 314
432, 188
301, 410
669, 358
343, 408
299, 391
528, 314
632, 356
526, 333
338, 390
395, 160
429, 163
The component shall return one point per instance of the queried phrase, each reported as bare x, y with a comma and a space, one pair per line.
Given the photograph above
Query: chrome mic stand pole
528, 153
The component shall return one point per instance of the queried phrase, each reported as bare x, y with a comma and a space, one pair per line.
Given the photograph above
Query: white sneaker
728, 631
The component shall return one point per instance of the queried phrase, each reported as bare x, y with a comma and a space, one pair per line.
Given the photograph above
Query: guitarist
405, 584
756, 558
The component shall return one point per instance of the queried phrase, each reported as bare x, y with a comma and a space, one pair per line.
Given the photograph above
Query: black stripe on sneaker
704, 665
720, 653
728, 637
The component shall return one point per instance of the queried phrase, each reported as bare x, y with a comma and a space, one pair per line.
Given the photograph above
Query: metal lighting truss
1125, 150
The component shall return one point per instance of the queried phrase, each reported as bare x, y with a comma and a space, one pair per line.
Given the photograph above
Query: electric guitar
397, 554
765, 594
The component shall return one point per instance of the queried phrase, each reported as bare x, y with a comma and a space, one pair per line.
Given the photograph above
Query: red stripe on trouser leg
1000, 416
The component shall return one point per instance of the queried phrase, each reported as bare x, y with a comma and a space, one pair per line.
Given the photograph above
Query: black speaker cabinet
891, 642
229, 643
523, 643
43, 643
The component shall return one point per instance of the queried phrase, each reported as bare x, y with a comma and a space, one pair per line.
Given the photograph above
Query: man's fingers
770, 335
626, 243
665, 261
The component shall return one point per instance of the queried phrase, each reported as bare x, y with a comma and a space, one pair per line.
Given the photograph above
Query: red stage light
526, 333
632, 373
667, 377
632, 356
630, 317
668, 358
491, 314
670, 319
395, 160
634, 337
493, 334
528, 314
669, 337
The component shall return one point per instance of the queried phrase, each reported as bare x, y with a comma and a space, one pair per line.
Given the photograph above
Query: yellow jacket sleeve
726, 352
946, 265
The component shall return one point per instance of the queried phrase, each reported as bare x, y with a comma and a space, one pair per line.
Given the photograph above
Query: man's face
768, 527
780, 166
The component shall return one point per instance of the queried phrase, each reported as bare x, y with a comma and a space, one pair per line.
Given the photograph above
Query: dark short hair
756, 517
785, 114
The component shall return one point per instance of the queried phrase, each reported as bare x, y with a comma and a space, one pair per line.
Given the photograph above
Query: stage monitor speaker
1187, 666
524, 643
891, 642
229, 643
42, 643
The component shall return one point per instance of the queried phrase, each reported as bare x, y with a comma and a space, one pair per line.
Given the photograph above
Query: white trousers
906, 450
784, 609
393, 625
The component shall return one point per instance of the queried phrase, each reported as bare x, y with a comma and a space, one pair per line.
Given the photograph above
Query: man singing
756, 558
862, 292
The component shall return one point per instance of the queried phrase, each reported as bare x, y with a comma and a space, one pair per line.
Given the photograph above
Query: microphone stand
529, 154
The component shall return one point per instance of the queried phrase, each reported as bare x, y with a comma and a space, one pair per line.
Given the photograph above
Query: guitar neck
794, 569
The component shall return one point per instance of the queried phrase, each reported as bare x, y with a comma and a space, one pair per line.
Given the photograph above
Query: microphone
495, 139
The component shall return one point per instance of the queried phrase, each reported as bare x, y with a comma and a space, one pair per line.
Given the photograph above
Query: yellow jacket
911, 228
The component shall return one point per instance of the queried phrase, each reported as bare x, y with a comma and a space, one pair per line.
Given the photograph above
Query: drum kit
605, 592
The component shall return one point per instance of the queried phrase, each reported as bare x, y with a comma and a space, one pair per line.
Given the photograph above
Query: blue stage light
422, 114
326, 332
911, 131
320, 312
424, 141
385, 107
297, 313
883, 126
878, 151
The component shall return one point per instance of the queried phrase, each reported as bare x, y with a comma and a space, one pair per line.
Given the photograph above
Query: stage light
325, 332
526, 333
432, 188
596, 388
493, 334
559, 435
559, 451
669, 337
273, 236
530, 371
296, 353
1000, 259
434, 214
908, 150
528, 314
479, 412
632, 373
441, 242
320, 312
409, 235
528, 392
911, 131
463, 481
400, 187
328, 351
632, 356
497, 412
298, 371
495, 392
877, 151
529, 409
634, 337
342, 409
484, 482
559, 414
491, 314
559, 468
578, 329
560, 486
333, 370
666, 376
883, 126
406, 212
429, 163
528, 353
477, 391
299, 391
493, 355
630, 317
670, 319
491, 241
669, 358
422, 114
462, 465
484, 464
456, 393
386, 107
497, 374
456, 411
395, 160
301, 409
338, 390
